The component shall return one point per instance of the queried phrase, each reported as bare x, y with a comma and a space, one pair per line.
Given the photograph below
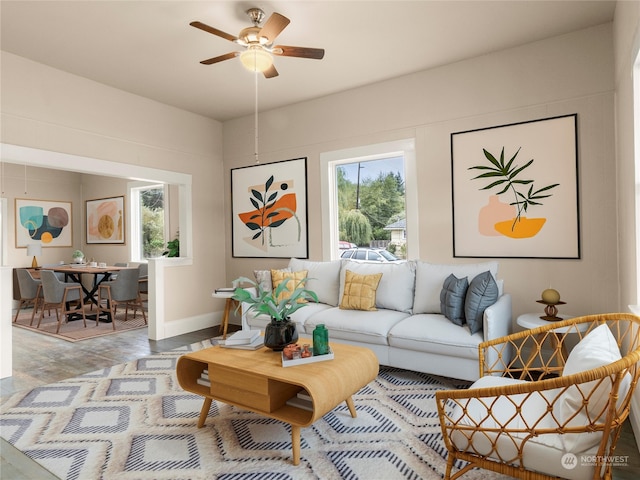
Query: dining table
73, 272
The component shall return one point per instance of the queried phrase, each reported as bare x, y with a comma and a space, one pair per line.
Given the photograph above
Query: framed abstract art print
269, 210
515, 190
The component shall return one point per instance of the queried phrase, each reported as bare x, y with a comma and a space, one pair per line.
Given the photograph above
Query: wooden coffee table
256, 381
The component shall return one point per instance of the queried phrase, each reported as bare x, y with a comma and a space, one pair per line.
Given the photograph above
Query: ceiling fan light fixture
256, 59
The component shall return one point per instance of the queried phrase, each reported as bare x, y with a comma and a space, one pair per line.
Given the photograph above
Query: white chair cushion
395, 290
430, 277
504, 413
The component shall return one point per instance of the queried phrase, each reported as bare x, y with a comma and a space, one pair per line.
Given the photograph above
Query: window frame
328, 163
135, 230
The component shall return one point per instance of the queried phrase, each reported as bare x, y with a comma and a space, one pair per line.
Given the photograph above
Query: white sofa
408, 329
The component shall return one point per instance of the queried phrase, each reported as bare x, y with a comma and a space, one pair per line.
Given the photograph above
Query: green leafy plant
77, 254
505, 179
173, 248
264, 301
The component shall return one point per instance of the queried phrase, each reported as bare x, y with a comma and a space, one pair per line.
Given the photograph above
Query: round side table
533, 320
229, 303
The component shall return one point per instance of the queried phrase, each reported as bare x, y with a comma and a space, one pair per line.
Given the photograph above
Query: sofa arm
496, 323
497, 318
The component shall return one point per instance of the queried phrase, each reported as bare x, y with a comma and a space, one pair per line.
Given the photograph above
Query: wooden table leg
204, 412
295, 444
225, 318
352, 407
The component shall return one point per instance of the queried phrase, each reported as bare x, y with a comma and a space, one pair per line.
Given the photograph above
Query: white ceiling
148, 47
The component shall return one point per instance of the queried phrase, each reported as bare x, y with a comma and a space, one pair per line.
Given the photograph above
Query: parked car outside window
342, 245
369, 254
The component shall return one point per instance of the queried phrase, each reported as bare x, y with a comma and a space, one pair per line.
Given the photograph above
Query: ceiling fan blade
220, 58
271, 72
214, 31
302, 52
275, 24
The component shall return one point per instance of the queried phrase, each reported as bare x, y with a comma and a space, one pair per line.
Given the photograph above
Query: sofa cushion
360, 291
452, 295
292, 280
597, 349
482, 293
395, 291
356, 325
430, 277
263, 278
433, 333
323, 278
299, 317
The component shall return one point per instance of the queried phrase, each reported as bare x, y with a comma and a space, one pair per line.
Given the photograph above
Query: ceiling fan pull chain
255, 145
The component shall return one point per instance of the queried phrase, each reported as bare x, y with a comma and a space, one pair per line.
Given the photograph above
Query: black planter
279, 334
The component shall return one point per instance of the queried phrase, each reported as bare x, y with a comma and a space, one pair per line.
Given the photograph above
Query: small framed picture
105, 220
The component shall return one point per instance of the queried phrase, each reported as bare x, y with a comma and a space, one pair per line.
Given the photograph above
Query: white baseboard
191, 324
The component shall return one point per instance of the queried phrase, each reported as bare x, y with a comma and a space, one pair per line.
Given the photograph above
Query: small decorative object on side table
551, 298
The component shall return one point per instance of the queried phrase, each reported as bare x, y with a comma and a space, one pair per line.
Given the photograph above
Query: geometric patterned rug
133, 421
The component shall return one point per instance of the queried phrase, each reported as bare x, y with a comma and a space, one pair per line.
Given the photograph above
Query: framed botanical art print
105, 220
515, 190
47, 222
269, 210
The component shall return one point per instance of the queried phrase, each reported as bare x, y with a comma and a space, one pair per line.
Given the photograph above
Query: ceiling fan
258, 43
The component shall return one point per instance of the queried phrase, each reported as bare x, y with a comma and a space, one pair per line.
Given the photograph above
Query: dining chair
59, 295
121, 291
30, 292
99, 278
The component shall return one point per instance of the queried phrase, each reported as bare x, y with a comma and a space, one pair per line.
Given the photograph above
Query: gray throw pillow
452, 298
263, 277
482, 293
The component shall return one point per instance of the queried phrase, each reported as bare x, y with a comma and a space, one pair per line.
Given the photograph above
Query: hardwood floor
40, 360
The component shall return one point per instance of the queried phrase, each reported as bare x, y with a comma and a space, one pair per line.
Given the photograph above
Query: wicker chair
533, 417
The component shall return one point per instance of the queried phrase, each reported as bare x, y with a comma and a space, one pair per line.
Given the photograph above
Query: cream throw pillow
360, 291
597, 349
278, 276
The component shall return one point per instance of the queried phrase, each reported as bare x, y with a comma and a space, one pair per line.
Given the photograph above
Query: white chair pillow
597, 349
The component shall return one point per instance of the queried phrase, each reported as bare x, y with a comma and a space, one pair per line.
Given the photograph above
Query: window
371, 203
373, 185
149, 220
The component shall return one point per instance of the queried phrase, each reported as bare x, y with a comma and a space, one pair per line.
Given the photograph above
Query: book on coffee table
254, 345
242, 337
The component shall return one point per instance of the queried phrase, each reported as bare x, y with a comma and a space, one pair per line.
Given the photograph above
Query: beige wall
627, 46
41, 184
51, 110
568, 74
48, 109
